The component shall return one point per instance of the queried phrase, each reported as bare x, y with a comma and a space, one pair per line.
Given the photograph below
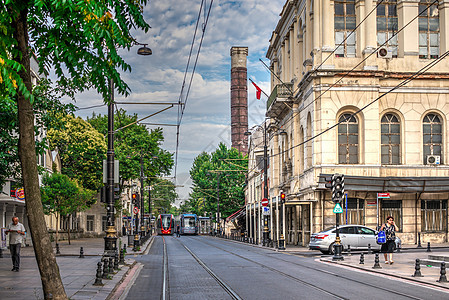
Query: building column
408, 38
443, 7
316, 31
328, 42
370, 35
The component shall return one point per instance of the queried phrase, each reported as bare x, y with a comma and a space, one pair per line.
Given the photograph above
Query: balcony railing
282, 90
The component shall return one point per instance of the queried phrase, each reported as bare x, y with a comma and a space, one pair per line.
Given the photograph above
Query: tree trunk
57, 228
46, 261
68, 228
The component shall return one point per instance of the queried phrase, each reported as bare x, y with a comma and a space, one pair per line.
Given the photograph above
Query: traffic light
328, 182
282, 197
134, 198
338, 187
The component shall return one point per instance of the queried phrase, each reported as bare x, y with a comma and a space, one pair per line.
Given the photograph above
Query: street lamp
110, 240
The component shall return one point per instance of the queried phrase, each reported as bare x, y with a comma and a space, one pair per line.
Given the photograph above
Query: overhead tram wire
182, 107
348, 72
404, 82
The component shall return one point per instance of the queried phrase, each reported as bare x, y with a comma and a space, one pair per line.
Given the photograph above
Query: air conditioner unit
384, 52
433, 159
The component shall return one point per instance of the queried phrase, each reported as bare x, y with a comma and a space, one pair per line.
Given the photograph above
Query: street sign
266, 211
136, 210
264, 202
338, 209
383, 195
20, 194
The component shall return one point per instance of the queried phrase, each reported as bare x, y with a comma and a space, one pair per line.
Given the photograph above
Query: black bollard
442, 273
349, 250
111, 265
428, 247
57, 249
98, 276
369, 249
376, 262
417, 269
81, 252
105, 269
116, 261
122, 256
124, 247
362, 259
1, 253
419, 240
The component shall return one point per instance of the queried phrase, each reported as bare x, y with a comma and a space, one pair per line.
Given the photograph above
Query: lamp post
142, 207
110, 240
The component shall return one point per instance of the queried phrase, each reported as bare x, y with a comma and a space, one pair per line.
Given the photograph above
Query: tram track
233, 294
165, 280
311, 268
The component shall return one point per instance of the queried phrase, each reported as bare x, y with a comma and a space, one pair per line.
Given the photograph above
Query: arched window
390, 140
429, 29
344, 23
348, 140
432, 136
387, 26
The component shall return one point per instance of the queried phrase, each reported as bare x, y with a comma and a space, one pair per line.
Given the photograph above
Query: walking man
16, 232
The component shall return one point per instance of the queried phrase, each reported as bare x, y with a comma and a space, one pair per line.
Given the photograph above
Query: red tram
165, 224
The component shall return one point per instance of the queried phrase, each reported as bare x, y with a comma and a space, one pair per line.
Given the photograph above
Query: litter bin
130, 240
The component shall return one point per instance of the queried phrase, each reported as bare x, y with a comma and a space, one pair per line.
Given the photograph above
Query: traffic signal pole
265, 186
338, 190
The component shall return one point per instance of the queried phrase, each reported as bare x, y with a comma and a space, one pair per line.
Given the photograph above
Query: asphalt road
203, 267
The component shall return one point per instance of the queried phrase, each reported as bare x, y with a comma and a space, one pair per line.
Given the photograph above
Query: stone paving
78, 274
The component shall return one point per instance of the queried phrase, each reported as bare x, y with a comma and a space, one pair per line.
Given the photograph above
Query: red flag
258, 90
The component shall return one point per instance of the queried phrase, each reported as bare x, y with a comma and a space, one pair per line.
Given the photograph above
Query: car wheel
331, 248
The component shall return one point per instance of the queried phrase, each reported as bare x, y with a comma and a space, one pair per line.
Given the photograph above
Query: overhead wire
182, 106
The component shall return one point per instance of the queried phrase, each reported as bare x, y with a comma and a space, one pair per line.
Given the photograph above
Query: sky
159, 77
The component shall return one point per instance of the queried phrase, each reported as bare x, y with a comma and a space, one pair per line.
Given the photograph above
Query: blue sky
159, 77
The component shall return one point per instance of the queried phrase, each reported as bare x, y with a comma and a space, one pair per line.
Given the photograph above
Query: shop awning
391, 184
240, 213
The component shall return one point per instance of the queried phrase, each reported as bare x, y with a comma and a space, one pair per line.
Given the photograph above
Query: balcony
281, 93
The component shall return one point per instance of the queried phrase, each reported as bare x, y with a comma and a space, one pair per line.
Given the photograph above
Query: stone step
439, 257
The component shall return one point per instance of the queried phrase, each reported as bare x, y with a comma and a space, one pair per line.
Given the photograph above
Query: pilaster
443, 7
408, 37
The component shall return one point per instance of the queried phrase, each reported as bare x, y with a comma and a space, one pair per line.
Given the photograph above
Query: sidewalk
402, 269
78, 274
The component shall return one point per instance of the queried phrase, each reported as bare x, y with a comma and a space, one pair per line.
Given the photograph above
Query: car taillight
321, 236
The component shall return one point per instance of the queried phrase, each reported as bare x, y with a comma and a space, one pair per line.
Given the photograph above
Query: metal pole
142, 207
218, 203
338, 246
110, 240
265, 179
149, 210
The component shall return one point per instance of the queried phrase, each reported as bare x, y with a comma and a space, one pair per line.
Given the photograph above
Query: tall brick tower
239, 99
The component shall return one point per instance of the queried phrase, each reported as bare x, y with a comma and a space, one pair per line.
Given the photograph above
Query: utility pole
265, 185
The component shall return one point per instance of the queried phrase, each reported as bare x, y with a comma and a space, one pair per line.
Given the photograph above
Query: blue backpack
381, 237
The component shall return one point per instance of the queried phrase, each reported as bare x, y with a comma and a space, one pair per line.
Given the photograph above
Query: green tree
80, 41
82, 150
163, 195
62, 196
221, 173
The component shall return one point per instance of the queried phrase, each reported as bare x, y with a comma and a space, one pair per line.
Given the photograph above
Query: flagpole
259, 87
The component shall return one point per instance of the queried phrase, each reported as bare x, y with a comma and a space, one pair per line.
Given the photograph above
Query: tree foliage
47, 108
82, 149
163, 195
64, 196
134, 143
222, 172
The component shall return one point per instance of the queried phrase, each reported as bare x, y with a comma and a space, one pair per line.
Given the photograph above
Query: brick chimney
239, 99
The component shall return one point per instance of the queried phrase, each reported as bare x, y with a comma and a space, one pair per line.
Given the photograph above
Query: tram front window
189, 222
166, 222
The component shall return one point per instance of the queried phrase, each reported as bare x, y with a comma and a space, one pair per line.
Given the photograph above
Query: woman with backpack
390, 229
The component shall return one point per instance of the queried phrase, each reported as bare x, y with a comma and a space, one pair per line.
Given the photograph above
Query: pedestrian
390, 229
177, 231
16, 232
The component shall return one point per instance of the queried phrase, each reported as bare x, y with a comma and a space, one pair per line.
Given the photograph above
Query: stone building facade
348, 97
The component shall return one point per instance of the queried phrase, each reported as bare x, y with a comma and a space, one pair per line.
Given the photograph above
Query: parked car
356, 236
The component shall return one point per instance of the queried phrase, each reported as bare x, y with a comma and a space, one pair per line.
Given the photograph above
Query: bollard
428, 247
362, 259
57, 249
116, 261
122, 256
442, 273
369, 249
417, 269
349, 250
1, 252
376, 262
105, 268
81, 252
111, 265
98, 276
419, 240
